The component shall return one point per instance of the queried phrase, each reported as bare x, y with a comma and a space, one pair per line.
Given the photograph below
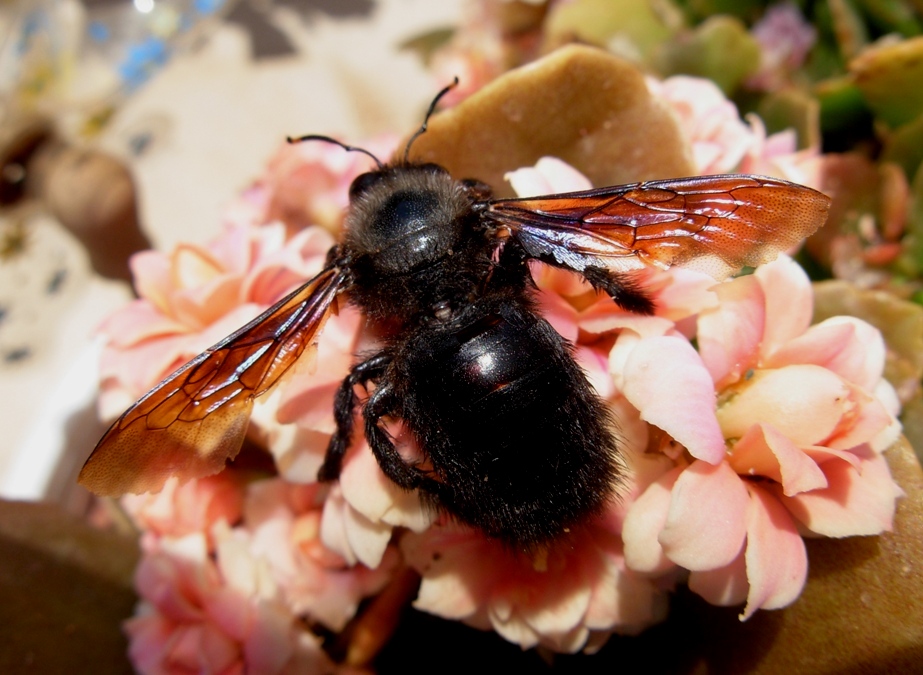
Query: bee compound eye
363, 182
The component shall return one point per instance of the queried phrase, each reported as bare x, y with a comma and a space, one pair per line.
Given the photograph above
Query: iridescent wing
190, 424
717, 224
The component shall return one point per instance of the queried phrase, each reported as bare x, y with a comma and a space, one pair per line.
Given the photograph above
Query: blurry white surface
213, 116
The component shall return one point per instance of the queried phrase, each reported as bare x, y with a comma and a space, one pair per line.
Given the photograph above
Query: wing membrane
714, 223
195, 420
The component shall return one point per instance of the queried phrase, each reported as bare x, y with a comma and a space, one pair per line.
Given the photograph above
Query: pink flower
194, 297
362, 511
472, 65
785, 438
721, 142
284, 521
778, 155
193, 507
718, 137
223, 616
476, 54
308, 183
298, 417
785, 39
569, 597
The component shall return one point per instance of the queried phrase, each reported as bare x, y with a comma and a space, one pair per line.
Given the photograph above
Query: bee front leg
344, 406
381, 403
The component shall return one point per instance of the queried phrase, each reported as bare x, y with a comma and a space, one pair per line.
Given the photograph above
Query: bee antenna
327, 139
432, 108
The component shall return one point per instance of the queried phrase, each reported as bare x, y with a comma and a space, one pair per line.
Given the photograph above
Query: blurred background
146, 118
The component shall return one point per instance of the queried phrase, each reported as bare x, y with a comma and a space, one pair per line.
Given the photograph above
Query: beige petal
580, 104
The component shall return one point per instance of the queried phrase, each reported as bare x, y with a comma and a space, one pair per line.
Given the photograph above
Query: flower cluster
742, 428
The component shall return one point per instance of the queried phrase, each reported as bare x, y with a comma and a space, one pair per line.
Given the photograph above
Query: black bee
514, 440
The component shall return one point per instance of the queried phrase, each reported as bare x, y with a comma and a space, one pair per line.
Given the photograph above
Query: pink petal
237, 245
216, 650
138, 321
821, 454
351, 535
820, 344
448, 595
777, 562
560, 314
512, 628
722, 586
595, 365
706, 523
850, 347
856, 503
763, 451
268, 644
201, 306
804, 403
193, 266
549, 175
644, 521
729, 335
557, 607
372, 494
689, 292
867, 418
443, 556
140, 367
604, 316
789, 302
626, 601
308, 402
667, 382
149, 634
333, 525
151, 273
367, 539
270, 283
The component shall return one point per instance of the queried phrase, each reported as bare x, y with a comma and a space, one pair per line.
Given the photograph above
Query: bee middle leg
344, 406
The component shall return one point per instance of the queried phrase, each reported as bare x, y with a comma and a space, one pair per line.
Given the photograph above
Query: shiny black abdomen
520, 444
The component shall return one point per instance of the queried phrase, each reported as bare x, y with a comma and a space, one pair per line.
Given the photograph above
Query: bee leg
623, 288
381, 403
344, 405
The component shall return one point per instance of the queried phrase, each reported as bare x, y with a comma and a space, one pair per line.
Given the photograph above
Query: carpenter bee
514, 440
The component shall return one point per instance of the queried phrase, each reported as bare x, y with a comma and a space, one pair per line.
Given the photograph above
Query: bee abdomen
521, 444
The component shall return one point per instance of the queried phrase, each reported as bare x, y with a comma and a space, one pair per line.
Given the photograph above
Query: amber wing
190, 424
717, 224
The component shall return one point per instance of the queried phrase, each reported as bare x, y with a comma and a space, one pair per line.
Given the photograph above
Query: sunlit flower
788, 440
568, 597
785, 38
722, 142
719, 139
193, 507
308, 183
199, 615
778, 155
362, 511
284, 522
194, 297
476, 53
